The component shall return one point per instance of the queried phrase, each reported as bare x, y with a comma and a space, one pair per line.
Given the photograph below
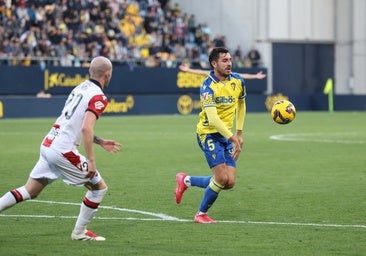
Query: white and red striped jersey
65, 135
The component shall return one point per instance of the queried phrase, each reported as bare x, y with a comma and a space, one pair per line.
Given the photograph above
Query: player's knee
230, 184
221, 181
105, 190
101, 185
226, 181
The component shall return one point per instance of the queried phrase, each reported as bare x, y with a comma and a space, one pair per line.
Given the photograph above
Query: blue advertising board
60, 80
141, 91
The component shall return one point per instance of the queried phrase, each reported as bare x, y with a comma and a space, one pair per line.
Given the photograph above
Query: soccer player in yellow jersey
222, 97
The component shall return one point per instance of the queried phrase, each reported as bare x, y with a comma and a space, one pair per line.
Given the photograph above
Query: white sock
187, 181
12, 197
88, 208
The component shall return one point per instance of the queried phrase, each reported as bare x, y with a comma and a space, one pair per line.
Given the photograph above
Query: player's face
223, 65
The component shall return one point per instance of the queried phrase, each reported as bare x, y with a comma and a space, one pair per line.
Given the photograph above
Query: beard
225, 72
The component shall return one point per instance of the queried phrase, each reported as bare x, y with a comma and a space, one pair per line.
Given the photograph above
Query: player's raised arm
184, 68
202, 72
259, 75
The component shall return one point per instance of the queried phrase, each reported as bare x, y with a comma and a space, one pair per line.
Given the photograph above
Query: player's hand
184, 68
92, 169
260, 75
237, 143
241, 141
111, 146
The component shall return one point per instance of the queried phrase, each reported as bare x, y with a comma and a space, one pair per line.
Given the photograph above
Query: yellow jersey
224, 95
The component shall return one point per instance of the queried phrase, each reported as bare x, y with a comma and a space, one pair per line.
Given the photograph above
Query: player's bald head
98, 66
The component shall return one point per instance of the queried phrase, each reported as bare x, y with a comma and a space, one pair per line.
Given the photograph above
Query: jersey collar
215, 78
95, 82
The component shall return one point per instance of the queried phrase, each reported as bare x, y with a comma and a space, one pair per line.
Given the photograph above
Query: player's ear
107, 74
213, 64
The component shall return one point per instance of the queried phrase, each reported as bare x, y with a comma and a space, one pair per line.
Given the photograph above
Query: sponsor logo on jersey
99, 105
225, 100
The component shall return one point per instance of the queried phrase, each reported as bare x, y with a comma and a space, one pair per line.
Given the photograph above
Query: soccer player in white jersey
222, 97
59, 156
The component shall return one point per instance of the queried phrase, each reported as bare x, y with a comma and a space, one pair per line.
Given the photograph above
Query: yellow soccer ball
283, 112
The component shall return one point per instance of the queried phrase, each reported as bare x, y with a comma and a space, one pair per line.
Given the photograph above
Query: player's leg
230, 173
217, 151
230, 177
88, 208
223, 174
13, 197
210, 195
184, 180
35, 184
198, 181
71, 166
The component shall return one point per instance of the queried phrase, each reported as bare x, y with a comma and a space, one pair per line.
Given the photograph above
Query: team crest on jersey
98, 105
233, 85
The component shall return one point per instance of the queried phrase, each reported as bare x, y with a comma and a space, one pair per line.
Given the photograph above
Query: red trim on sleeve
97, 104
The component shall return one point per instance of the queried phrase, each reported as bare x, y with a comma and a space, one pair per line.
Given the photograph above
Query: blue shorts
217, 149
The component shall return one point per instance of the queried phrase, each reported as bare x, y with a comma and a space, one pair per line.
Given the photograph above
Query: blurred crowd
148, 33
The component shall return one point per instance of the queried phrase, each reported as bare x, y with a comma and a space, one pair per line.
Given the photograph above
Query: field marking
165, 217
313, 137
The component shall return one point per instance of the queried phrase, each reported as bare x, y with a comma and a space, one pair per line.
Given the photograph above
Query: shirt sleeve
215, 121
97, 104
240, 114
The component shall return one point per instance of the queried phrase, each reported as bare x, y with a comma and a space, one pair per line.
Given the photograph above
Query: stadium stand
69, 33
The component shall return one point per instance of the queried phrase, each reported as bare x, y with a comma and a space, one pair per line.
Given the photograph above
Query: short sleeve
97, 104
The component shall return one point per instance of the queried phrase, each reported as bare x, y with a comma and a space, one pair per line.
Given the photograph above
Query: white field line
164, 217
322, 137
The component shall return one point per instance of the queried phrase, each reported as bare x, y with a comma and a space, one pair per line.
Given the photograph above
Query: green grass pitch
301, 190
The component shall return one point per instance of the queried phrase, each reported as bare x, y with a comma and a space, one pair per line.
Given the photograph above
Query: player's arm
96, 107
240, 118
240, 115
109, 145
214, 120
87, 131
259, 75
194, 71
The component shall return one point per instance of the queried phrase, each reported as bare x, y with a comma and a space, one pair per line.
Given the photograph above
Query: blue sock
211, 193
200, 181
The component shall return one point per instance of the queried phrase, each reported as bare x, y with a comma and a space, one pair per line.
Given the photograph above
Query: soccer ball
283, 112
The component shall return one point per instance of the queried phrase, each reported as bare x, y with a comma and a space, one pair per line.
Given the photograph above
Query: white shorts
70, 166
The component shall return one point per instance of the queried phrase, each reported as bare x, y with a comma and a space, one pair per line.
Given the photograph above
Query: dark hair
215, 54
